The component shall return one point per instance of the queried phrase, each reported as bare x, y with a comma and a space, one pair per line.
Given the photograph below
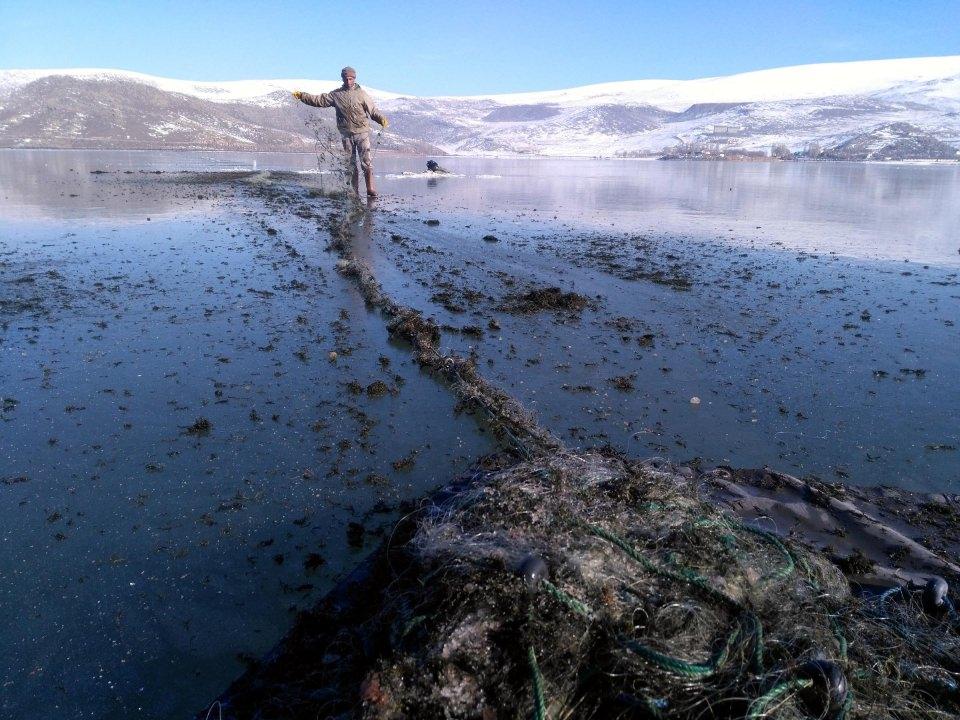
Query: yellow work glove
297, 94
384, 123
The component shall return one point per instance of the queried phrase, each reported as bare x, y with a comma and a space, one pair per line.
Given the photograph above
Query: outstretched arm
322, 100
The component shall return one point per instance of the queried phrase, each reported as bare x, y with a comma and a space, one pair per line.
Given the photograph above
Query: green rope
682, 667
791, 564
539, 698
688, 577
571, 602
841, 638
747, 618
847, 705
791, 561
757, 631
666, 662
758, 708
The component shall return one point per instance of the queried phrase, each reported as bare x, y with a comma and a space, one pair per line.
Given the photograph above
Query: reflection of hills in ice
858, 209
39, 185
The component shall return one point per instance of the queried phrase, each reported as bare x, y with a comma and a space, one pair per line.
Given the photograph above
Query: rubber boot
368, 176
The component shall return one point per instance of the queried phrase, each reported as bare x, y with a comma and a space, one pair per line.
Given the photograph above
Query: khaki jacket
353, 107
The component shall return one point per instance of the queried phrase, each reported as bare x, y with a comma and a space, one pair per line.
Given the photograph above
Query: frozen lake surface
813, 310
866, 210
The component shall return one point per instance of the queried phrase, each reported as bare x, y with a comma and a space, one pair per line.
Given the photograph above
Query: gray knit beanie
348, 71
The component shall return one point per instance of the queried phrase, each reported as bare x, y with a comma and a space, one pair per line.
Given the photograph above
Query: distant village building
724, 130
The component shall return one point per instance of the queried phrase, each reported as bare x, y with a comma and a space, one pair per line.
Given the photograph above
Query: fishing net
586, 585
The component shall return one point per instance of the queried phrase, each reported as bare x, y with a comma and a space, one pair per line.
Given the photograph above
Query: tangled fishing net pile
586, 586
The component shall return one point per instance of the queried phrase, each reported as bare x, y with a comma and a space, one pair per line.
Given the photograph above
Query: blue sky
456, 48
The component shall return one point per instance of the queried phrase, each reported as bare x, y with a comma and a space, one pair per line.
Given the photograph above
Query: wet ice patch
407, 175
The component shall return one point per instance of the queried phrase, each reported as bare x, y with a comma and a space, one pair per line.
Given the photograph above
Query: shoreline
913, 162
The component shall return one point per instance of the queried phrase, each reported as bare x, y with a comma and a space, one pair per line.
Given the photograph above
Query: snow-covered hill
253, 92
828, 105
118, 109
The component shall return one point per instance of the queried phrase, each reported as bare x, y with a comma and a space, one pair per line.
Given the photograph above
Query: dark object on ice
355, 532
202, 426
548, 298
533, 570
434, 166
378, 388
313, 561
934, 597
856, 564
490, 238
826, 697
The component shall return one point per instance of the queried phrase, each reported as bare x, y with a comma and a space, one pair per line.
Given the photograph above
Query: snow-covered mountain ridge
827, 105
800, 82
249, 91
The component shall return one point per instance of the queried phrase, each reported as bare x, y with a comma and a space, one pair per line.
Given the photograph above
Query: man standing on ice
353, 107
